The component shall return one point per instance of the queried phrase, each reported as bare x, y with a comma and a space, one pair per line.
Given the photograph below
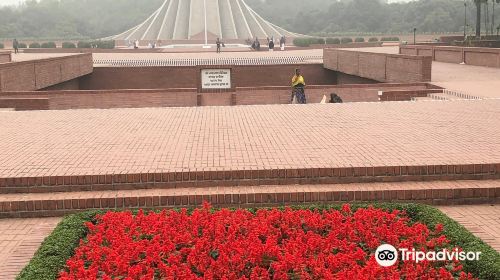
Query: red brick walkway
19, 240
93, 142
481, 220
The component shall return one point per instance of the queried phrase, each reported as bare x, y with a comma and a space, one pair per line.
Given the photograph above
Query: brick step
433, 192
202, 179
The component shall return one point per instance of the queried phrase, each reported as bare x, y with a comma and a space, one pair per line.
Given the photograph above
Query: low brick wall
42, 73
25, 104
189, 97
406, 95
350, 45
489, 57
390, 68
5, 57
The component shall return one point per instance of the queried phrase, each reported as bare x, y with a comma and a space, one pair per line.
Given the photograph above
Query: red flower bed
270, 244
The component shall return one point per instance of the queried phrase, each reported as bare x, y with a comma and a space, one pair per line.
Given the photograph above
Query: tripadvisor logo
387, 255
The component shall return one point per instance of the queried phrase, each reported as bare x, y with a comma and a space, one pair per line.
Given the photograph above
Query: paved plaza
19, 240
482, 220
91, 142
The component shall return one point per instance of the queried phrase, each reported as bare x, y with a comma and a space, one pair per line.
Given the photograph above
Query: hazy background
82, 19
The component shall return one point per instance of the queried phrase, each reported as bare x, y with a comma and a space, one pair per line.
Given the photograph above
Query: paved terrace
90, 142
478, 81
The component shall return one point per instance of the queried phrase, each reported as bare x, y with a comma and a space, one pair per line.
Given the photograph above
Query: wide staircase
59, 195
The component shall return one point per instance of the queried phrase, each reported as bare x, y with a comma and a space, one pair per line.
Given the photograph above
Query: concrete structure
191, 19
43, 73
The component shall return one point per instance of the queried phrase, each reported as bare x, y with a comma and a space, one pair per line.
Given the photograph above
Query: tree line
77, 19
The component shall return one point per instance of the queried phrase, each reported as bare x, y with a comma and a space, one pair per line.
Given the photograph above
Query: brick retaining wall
188, 76
189, 97
489, 57
381, 67
5, 57
42, 73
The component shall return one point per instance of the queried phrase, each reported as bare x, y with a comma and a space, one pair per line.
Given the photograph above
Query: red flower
270, 244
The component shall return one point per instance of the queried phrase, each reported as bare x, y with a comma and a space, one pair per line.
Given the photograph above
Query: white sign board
216, 78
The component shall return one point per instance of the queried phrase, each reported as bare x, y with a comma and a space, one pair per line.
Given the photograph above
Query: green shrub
390, 39
2, 46
104, 44
83, 45
333, 41
359, 40
306, 42
62, 242
22, 45
68, 45
49, 45
373, 39
346, 40
35, 45
57, 248
96, 44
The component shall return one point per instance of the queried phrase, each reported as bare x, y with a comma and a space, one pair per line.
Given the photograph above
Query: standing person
218, 43
136, 44
298, 85
15, 45
282, 43
271, 46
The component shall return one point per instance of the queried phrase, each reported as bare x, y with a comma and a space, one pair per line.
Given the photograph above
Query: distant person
282, 43
15, 45
136, 44
271, 46
218, 43
298, 85
257, 44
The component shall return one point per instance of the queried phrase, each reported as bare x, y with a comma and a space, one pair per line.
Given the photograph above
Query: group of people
136, 44
298, 90
271, 43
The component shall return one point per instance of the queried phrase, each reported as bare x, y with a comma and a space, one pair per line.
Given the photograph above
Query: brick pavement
19, 240
482, 220
93, 142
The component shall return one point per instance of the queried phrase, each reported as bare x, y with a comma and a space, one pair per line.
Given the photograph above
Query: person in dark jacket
15, 45
218, 43
271, 45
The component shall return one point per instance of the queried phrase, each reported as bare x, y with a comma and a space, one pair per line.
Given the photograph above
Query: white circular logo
386, 255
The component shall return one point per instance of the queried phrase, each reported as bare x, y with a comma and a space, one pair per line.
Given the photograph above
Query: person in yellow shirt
298, 85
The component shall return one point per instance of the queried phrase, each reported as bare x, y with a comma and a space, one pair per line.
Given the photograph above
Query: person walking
298, 85
218, 43
15, 45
